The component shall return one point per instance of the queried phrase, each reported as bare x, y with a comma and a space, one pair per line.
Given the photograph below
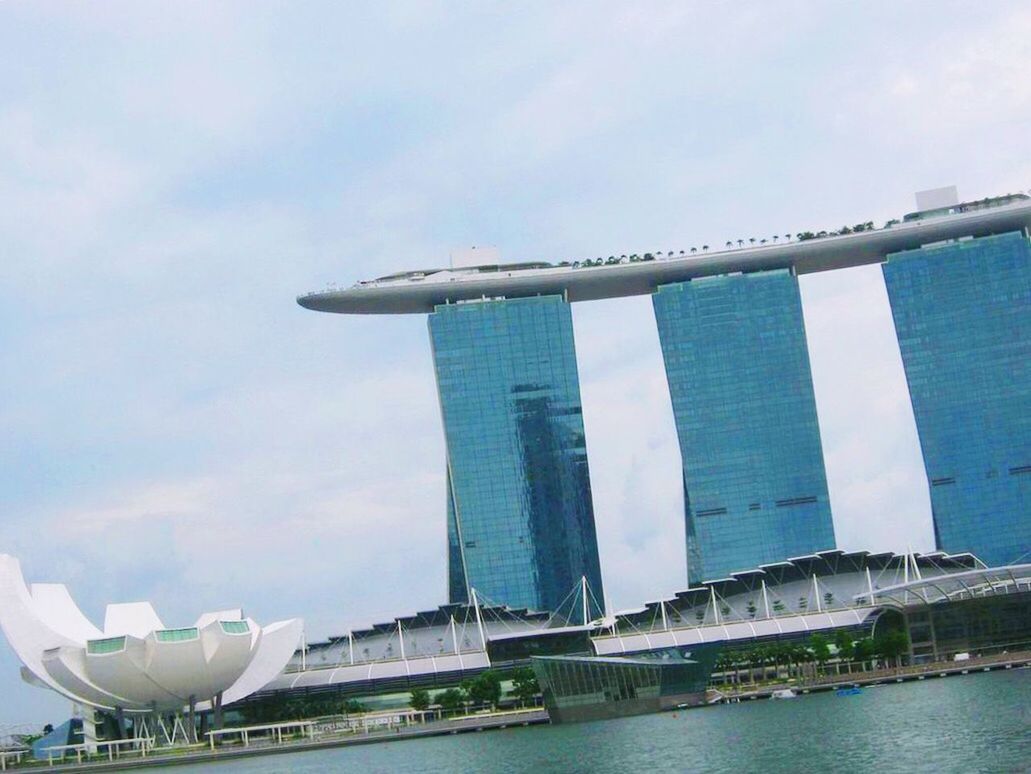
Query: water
973, 723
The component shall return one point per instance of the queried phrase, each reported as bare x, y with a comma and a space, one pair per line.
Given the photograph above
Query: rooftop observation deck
418, 292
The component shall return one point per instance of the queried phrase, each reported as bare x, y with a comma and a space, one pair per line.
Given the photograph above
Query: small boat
852, 690
783, 693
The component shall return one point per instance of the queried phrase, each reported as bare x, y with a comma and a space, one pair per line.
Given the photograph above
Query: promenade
878, 676
277, 743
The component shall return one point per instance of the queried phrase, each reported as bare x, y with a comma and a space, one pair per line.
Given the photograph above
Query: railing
142, 744
14, 755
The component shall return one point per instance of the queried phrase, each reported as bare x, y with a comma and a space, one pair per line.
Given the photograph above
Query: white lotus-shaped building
134, 663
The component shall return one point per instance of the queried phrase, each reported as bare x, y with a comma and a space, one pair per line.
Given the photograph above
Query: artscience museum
134, 663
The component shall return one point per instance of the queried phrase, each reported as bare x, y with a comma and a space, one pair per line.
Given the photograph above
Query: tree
864, 650
819, 648
420, 699
354, 706
893, 644
846, 648
451, 700
524, 684
486, 688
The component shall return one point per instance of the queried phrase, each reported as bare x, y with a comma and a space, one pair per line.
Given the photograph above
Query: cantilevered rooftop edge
419, 293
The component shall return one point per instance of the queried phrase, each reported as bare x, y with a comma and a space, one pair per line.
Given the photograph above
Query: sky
174, 427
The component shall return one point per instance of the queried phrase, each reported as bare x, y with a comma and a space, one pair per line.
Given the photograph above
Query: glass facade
579, 688
962, 314
755, 488
519, 511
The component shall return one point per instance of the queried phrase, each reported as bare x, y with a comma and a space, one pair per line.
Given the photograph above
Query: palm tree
705, 248
694, 249
740, 242
775, 238
787, 237
762, 241
752, 240
729, 244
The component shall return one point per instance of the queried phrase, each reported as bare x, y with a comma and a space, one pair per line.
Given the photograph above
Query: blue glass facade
963, 317
755, 489
520, 515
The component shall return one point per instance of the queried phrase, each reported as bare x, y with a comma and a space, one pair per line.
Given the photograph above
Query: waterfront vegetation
816, 656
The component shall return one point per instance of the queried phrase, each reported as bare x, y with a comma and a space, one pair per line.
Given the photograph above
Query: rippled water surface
972, 723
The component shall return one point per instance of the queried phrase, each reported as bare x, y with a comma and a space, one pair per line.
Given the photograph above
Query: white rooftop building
134, 663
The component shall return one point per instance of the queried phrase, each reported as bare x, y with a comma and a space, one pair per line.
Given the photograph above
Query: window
175, 635
107, 645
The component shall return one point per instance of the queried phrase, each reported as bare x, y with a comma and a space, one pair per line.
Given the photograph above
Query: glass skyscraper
963, 317
520, 515
755, 489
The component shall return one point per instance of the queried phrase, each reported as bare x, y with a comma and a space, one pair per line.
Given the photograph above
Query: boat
783, 693
852, 690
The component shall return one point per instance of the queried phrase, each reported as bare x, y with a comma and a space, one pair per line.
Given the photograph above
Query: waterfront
969, 723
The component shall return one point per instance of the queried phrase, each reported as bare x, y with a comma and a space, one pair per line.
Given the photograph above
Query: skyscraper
755, 489
520, 515
962, 313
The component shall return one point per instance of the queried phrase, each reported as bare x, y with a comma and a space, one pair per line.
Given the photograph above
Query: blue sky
175, 428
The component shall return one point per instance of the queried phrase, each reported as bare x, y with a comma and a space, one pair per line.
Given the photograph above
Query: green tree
353, 706
420, 699
846, 648
864, 651
485, 688
450, 700
819, 648
524, 684
892, 645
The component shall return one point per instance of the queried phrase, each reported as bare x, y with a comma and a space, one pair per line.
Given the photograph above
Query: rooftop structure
783, 600
419, 291
134, 663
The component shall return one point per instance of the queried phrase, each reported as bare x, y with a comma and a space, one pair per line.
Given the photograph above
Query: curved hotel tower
519, 515
963, 317
736, 360
520, 521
